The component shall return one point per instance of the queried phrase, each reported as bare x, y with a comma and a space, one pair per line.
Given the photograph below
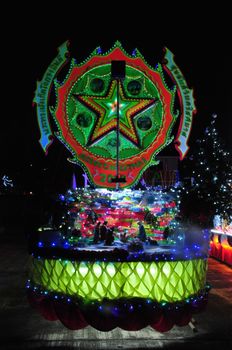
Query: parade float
221, 240
114, 113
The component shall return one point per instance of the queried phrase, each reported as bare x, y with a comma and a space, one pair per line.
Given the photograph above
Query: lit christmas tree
212, 174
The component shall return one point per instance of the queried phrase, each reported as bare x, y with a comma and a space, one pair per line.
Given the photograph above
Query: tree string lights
212, 174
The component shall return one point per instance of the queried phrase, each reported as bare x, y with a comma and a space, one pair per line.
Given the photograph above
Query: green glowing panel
168, 281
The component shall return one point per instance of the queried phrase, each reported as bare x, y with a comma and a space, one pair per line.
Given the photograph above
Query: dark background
199, 38
30, 35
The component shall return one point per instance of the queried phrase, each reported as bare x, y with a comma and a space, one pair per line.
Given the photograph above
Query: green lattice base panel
163, 281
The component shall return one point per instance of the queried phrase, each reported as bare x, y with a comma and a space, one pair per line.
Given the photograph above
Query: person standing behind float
109, 236
142, 233
96, 232
103, 231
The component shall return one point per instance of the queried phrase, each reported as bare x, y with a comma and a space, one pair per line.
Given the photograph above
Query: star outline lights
105, 108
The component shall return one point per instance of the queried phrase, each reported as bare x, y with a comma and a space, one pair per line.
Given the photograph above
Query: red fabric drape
70, 316
107, 318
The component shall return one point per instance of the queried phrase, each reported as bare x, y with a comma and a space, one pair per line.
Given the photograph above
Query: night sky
201, 44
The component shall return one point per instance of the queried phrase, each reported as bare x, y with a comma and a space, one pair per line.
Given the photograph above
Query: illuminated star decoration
106, 109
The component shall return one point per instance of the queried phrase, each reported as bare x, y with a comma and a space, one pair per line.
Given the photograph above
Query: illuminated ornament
107, 120
6, 181
114, 126
74, 182
85, 180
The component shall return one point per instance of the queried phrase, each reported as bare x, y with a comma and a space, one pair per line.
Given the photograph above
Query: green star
106, 110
